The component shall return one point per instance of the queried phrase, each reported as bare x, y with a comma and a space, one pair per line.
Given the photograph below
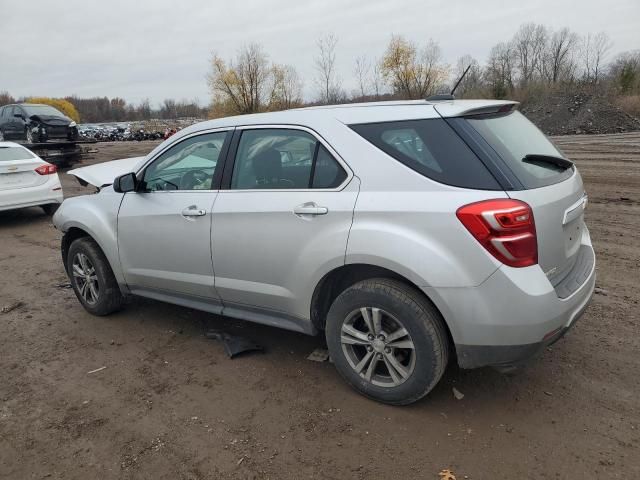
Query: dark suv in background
32, 123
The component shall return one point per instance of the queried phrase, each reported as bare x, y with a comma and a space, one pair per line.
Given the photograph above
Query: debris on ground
319, 355
96, 370
601, 291
572, 112
11, 306
234, 345
447, 474
63, 285
457, 394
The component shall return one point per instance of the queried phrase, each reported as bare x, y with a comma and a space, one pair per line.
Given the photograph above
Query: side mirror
125, 183
18, 115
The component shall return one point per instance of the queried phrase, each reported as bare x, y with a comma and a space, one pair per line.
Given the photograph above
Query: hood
103, 174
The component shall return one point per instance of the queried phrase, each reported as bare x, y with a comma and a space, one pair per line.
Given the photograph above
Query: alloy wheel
86, 278
378, 347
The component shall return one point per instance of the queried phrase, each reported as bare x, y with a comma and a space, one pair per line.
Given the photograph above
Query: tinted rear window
431, 148
513, 137
14, 153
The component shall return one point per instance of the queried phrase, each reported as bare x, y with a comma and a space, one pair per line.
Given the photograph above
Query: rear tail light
46, 169
505, 228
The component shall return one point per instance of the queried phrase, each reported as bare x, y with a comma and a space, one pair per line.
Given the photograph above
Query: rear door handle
310, 209
193, 211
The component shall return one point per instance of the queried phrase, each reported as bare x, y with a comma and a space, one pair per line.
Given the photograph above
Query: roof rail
440, 96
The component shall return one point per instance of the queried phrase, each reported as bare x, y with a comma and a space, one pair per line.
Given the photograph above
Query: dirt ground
171, 405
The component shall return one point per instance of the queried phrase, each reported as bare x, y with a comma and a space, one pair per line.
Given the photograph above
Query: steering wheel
193, 178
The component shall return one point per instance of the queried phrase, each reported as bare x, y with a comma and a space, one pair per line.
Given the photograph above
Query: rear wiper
549, 159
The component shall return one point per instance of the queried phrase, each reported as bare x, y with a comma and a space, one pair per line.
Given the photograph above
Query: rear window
513, 137
14, 153
431, 148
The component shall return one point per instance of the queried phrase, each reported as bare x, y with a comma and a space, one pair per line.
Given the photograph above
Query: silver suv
410, 233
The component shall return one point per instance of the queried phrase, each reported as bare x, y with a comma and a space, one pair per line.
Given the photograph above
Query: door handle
193, 211
310, 209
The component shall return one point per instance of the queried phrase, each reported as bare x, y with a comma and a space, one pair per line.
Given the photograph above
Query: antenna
460, 79
448, 96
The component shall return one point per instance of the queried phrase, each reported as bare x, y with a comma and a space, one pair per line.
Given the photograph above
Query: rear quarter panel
417, 235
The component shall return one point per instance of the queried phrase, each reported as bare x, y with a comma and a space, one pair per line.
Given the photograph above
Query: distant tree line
536, 59
104, 109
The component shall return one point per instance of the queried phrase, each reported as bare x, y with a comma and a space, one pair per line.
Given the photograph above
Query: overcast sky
160, 49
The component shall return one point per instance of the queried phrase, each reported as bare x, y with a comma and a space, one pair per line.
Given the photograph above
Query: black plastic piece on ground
234, 345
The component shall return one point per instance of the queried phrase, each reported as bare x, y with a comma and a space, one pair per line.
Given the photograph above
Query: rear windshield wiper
548, 159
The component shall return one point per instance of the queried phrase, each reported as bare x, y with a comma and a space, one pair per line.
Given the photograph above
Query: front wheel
92, 278
387, 341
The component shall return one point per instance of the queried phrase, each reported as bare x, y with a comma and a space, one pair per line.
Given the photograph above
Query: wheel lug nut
381, 337
387, 350
369, 348
380, 356
370, 337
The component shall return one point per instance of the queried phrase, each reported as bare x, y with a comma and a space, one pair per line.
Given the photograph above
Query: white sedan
27, 181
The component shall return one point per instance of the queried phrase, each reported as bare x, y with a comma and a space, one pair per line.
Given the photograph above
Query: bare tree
362, 70
625, 71
594, 51
325, 64
499, 72
6, 99
241, 85
529, 44
558, 61
286, 88
377, 78
413, 72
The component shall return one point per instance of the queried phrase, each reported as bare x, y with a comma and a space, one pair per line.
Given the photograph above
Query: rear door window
284, 159
433, 149
513, 137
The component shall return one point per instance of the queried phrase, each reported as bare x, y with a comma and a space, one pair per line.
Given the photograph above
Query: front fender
97, 215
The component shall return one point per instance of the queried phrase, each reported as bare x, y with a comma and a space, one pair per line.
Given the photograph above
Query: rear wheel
92, 278
387, 341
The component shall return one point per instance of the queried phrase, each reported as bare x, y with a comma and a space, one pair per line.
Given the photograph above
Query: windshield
14, 153
42, 110
513, 137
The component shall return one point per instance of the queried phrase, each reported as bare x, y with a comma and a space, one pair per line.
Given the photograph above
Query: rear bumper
32, 196
512, 316
510, 357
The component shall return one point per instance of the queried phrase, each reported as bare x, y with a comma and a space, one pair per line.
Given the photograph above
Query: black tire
50, 208
109, 298
426, 332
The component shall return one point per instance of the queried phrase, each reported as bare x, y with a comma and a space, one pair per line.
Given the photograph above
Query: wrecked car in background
35, 123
